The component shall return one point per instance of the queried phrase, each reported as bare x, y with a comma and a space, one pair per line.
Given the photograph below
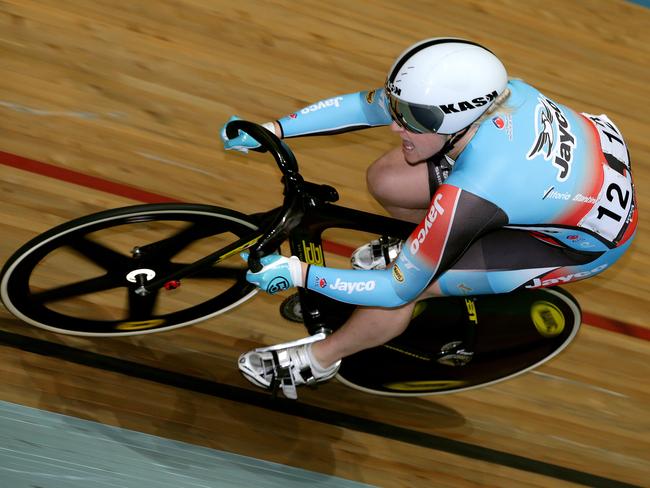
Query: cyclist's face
418, 147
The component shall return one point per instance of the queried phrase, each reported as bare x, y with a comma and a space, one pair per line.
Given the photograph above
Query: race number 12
618, 199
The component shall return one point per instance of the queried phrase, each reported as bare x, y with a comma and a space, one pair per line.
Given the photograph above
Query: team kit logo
558, 280
463, 105
277, 284
320, 282
504, 122
554, 140
435, 210
351, 287
330, 102
348, 287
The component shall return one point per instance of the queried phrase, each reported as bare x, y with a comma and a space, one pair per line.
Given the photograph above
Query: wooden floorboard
133, 94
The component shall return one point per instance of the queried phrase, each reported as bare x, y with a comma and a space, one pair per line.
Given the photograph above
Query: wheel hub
140, 275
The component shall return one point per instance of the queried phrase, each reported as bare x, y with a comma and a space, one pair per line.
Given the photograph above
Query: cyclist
509, 189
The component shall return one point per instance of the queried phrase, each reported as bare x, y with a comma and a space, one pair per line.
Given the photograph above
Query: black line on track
310, 412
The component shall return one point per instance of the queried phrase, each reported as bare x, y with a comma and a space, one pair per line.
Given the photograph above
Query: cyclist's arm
455, 219
342, 113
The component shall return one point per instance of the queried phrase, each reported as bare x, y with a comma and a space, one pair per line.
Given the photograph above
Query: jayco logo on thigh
351, 286
537, 283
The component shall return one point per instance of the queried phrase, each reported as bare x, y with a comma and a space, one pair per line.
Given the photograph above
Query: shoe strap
386, 244
283, 378
283, 369
300, 342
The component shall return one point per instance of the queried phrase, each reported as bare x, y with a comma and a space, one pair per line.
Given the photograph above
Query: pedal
377, 254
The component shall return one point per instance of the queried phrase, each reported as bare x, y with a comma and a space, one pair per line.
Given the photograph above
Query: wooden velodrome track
112, 103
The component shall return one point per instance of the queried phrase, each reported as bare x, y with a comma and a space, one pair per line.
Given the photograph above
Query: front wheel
81, 277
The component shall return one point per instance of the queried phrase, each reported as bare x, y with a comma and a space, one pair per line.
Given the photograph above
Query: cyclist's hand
243, 142
278, 274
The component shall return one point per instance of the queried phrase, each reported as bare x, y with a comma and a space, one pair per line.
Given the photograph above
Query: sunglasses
414, 117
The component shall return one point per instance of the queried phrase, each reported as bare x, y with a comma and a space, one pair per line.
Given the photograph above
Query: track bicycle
156, 267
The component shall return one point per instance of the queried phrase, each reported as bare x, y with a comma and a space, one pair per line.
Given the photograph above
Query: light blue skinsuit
541, 195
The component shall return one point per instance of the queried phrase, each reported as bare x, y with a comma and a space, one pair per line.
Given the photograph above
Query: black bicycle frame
320, 312
306, 213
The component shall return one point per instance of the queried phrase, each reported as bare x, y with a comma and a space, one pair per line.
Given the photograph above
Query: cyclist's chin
412, 155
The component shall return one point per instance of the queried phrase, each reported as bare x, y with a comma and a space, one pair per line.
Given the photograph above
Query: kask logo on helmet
469, 105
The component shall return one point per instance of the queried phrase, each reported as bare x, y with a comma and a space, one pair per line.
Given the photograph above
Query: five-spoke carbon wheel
85, 277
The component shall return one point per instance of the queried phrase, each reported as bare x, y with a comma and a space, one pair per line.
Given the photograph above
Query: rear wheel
455, 344
81, 277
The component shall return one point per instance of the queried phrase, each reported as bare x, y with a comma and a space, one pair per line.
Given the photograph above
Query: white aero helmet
443, 85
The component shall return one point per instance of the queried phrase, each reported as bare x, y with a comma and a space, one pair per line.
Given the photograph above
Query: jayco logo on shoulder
351, 286
550, 122
330, 102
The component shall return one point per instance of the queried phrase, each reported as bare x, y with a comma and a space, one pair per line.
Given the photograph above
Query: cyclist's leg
505, 260
499, 262
367, 327
389, 175
316, 359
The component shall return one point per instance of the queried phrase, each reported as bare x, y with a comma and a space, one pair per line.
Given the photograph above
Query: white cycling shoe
285, 366
377, 254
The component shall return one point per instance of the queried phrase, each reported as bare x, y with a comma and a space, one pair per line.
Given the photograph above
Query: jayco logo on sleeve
353, 286
330, 102
554, 139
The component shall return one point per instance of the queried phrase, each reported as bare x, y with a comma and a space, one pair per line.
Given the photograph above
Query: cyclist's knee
377, 180
387, 177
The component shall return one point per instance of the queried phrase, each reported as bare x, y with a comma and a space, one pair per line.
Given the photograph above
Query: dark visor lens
414, 117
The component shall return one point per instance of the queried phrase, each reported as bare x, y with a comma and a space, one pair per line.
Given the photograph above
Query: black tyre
81, 277
507, 334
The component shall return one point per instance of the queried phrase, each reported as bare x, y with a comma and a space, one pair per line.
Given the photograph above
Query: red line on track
81, 179
616, 326
137, 194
